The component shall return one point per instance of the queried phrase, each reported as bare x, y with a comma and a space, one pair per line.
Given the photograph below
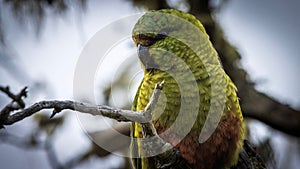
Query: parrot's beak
145, 58
144, 43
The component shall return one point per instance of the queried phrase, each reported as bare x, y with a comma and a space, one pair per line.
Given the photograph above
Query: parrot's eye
163, 33
148, 40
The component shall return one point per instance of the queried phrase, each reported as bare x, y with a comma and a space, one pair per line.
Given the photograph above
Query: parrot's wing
249, 159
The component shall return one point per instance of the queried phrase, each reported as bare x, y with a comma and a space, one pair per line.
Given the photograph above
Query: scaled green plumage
174, 47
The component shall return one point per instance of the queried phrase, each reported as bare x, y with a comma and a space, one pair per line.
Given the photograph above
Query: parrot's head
167, 37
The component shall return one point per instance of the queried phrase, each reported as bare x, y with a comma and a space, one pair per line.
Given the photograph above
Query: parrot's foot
171, 159
163, 153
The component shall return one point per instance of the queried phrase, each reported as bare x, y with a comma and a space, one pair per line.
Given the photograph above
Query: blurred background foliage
42, 135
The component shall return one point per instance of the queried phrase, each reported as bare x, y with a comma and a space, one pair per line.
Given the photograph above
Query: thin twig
16, 103
15, 97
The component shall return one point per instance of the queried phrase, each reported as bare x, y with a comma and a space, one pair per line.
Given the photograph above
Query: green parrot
198, 112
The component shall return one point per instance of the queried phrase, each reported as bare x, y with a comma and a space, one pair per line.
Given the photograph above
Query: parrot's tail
249, 158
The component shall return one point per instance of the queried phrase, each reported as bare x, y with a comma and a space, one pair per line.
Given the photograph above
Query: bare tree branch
169, 158
57, 106
144, 117
269, 111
